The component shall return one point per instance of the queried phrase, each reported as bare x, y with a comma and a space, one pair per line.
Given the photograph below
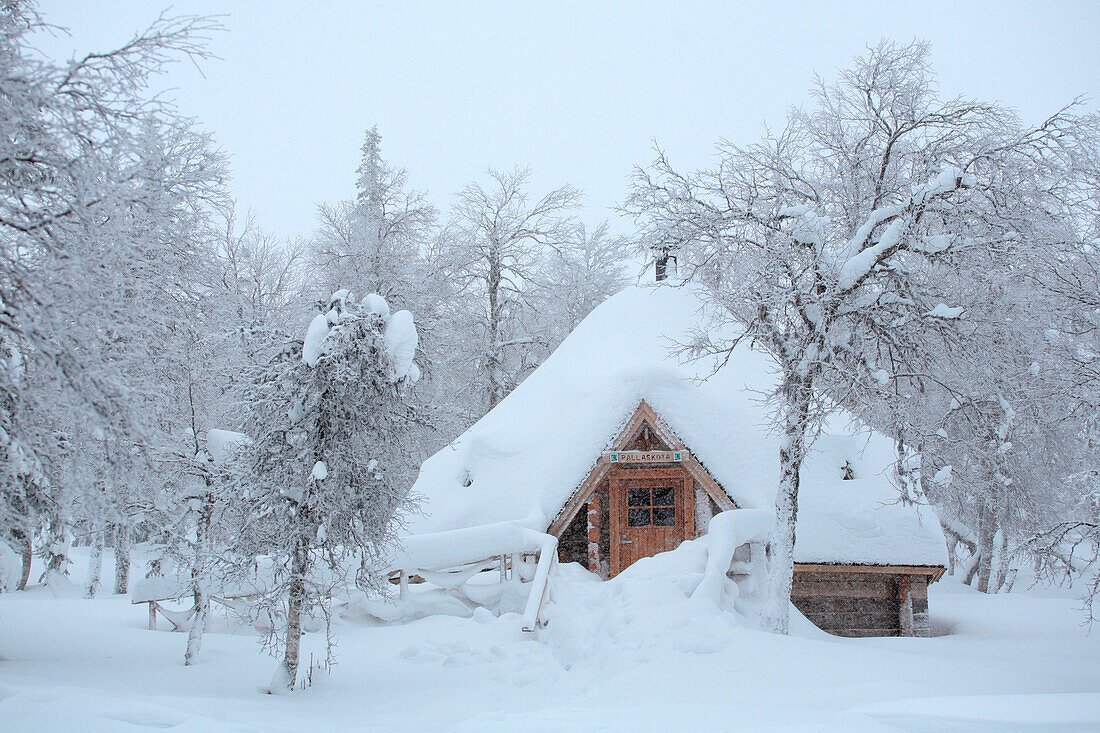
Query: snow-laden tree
500, 240
327, 468
260, 276
97, 178
992, 401
246, 302
385, 240
580, 273
374, 241
1066, 274
816, 240
995, 419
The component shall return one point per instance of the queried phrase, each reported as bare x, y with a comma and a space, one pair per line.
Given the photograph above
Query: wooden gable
644, 430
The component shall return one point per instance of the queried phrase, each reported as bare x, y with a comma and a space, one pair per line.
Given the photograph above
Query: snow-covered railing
157, 590
449, 559
726, 532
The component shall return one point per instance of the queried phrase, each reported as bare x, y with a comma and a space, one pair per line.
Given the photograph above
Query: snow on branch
858, 266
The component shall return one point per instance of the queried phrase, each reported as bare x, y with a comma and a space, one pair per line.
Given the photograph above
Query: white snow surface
400, 334
945, 311
451, 548
375, 303
634, 653
525, 458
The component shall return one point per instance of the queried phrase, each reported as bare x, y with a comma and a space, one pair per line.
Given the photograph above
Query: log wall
573, 545
853, 603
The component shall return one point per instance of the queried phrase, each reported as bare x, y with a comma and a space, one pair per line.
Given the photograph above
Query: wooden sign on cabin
645, 456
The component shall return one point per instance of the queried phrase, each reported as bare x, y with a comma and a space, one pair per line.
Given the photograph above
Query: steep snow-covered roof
524, 459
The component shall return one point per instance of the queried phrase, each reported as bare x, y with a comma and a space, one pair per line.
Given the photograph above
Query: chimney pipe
666, 266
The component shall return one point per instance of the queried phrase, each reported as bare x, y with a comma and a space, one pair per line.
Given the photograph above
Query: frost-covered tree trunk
26, 552
987, 530
198, 578
296, 604
198, 622
910, 475
494, 353
25, 575
122, 558
797, 394
1002, 561
57, 558
95, 564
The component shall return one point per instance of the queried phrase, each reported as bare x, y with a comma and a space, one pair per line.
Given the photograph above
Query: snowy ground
617, 656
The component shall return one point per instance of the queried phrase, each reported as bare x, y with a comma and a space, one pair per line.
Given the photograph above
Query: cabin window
648, 507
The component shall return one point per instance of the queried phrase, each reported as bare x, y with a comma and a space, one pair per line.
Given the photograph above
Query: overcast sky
576, 91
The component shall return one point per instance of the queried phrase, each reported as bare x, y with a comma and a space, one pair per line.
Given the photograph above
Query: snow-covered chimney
666, 266
665, 262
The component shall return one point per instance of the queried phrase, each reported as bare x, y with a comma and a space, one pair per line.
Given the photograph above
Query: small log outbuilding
623, 449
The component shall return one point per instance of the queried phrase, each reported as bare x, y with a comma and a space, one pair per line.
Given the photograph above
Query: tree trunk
908, 476
28, 558
198, 624
295, 605
952, 544
198, 580
122, 558
57, 555
971, 567
95, 564
797, 394
986, 532
494, 360
1002, 561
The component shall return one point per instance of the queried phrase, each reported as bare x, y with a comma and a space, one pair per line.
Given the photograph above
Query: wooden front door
651, 510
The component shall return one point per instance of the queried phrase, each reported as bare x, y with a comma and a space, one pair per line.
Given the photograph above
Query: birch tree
501, 239
822, 232
580, 273
91, 184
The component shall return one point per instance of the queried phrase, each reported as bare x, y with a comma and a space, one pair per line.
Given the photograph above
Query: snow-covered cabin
622, 449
